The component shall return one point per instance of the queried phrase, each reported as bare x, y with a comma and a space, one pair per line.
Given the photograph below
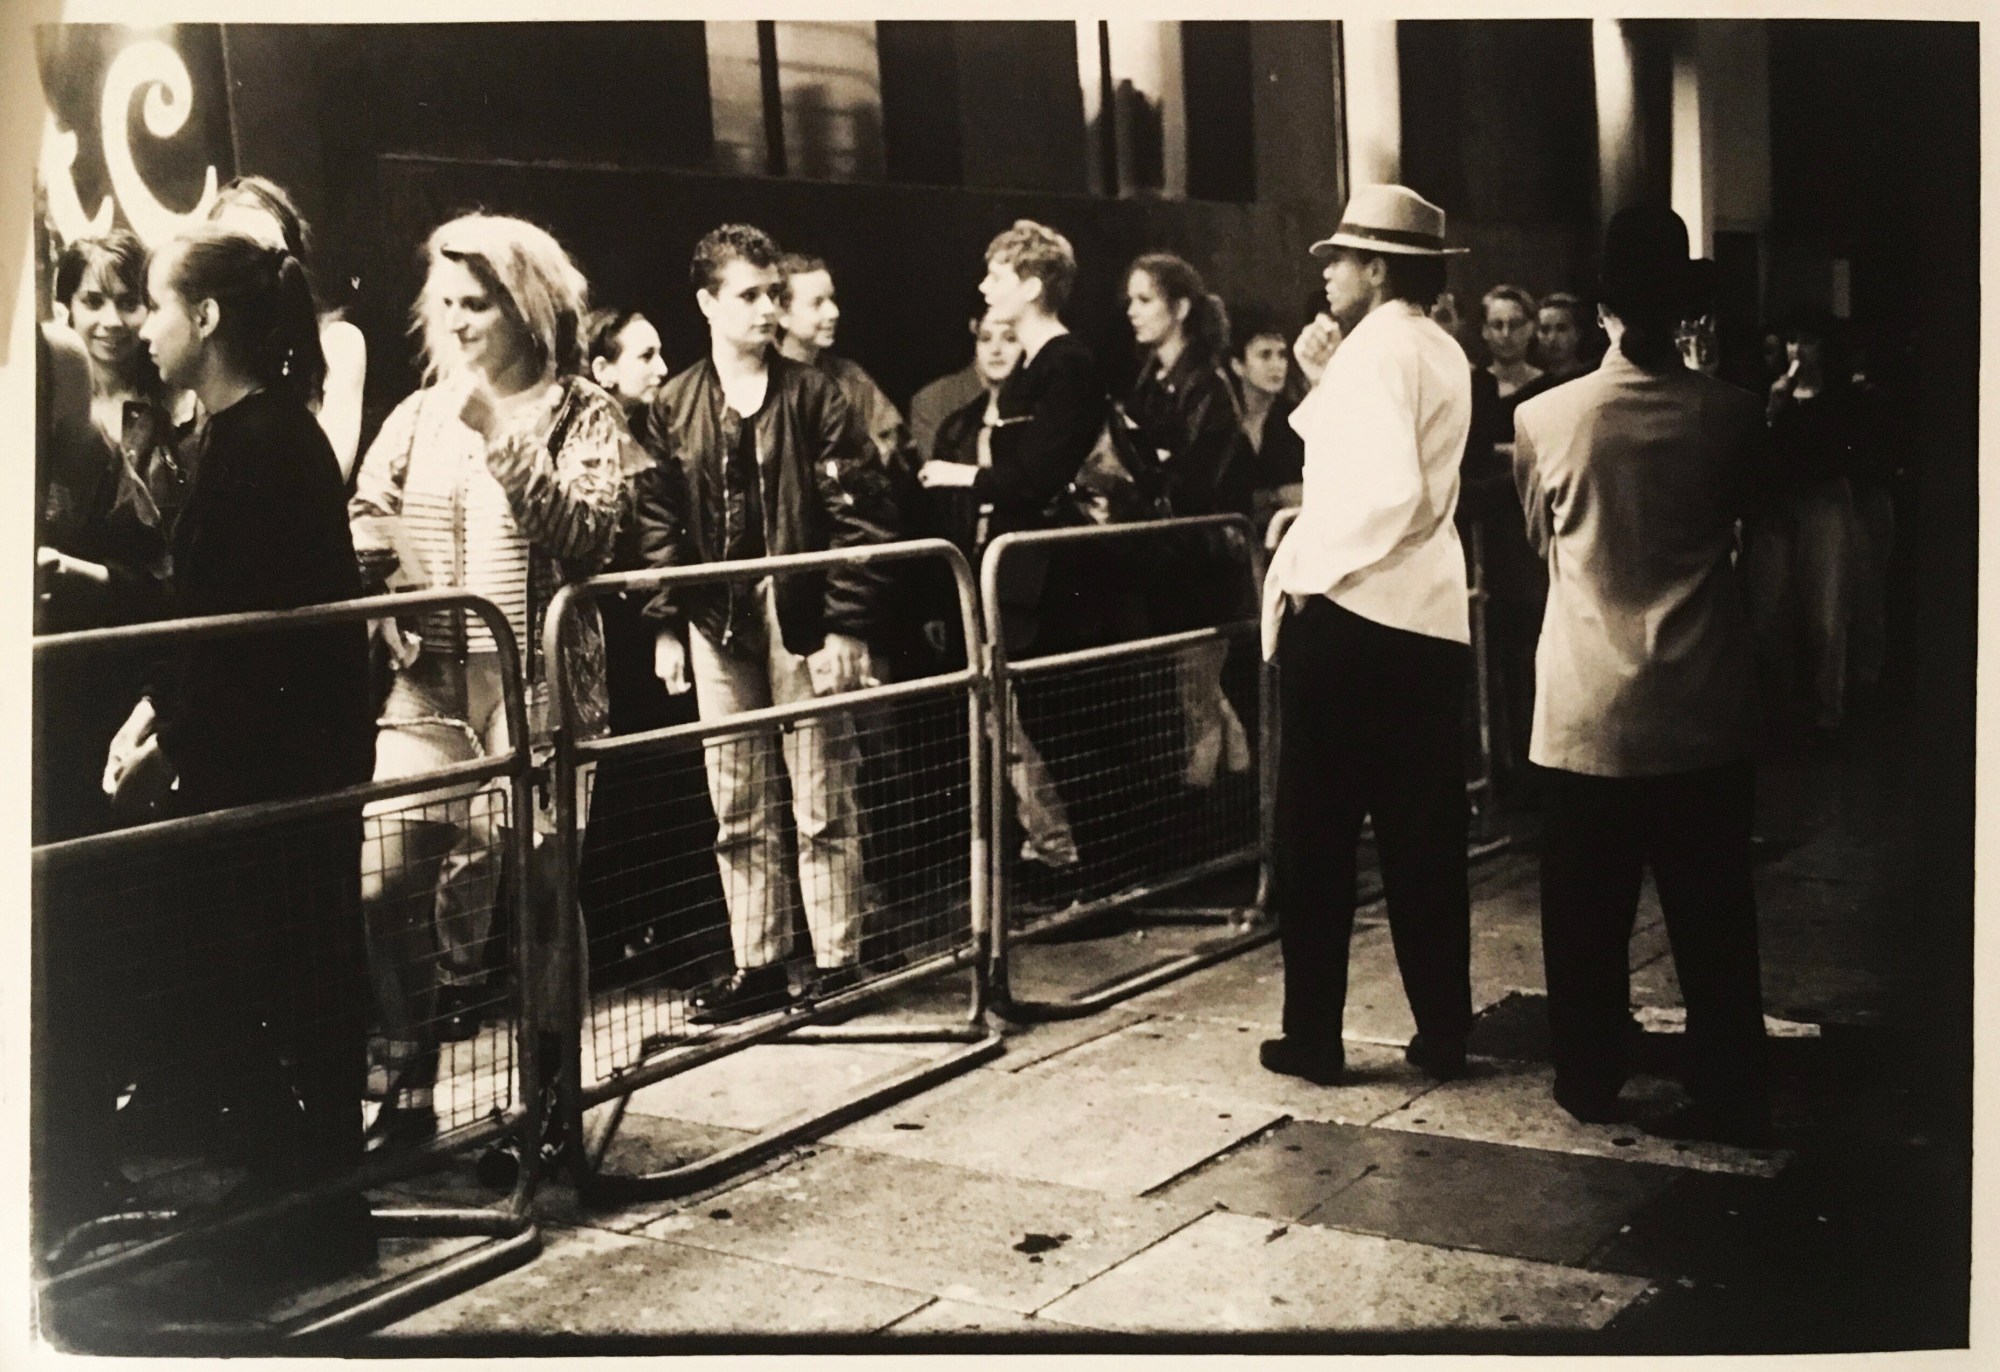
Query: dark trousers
1370, 725
1693, 830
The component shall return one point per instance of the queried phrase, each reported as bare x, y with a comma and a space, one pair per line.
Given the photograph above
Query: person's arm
1064, 425
378, 491
568, 503
854, 497
1528, 486
1194, 475
346, 376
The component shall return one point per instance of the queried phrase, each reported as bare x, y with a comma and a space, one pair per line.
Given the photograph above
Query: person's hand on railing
841, 665
58, 571
935, 473
144, 782
670, 662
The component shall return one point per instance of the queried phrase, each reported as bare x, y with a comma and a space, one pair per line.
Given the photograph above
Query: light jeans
823, 760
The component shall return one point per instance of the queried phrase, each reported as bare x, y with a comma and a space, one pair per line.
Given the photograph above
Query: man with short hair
760, 456
933, 404
1365, 611
808, 323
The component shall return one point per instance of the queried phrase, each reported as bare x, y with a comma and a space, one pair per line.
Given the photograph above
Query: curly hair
730, 243
1038, 252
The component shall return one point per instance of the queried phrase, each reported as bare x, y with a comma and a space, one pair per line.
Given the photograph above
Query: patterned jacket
548, 492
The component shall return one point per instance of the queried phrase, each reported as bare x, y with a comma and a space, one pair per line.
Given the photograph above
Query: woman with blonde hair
505, 475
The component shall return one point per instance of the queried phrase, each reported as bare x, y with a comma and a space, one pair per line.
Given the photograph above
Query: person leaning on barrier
760, 456
504, 475
272, 915
1633, 479
1365, 610
1182, 408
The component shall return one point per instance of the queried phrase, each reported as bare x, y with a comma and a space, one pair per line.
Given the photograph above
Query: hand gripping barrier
858, 815
1480, 786
1128, 767
220, 963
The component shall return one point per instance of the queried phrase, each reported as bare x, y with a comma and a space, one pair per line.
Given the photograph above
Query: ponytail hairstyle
268, 197
1206, 327
268, 328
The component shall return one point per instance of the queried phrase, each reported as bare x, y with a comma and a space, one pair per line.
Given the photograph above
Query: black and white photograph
1099, 683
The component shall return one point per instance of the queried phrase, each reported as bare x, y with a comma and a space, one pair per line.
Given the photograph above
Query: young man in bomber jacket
760, 456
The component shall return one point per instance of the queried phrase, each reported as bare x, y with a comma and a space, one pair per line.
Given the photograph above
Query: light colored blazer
1632, 483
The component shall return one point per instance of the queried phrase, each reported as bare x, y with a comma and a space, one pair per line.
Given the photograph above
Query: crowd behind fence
903, 832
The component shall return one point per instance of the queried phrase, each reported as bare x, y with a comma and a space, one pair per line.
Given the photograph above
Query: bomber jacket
819, 486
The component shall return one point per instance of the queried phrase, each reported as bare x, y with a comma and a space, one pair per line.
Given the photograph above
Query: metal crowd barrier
1479, 787
862, 812
1117, 798
185, 970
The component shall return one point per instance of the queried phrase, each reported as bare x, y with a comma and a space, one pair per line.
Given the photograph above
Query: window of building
797, 99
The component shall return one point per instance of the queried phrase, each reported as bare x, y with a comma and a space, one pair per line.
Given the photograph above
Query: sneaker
1320, 1064
744, 993
1055, 851
1445, 1062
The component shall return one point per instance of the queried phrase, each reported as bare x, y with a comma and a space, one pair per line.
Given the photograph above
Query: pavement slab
1083, 1131
1236, 1274
589, 1282
993, 1241
1519, 1202
1247, 989
1056, 971
1204, 1061
1029, 1044
1705, 1225
755, 1088
1511, 1103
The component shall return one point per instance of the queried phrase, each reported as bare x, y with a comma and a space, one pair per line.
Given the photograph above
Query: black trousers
1693, 830
1371, 724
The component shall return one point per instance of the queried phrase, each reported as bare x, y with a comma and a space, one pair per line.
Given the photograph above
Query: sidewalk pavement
1135, 1180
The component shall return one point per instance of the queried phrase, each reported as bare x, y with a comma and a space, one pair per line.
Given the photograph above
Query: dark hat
1645, 268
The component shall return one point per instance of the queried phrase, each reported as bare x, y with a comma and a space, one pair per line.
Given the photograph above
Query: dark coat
822, 488
265, 716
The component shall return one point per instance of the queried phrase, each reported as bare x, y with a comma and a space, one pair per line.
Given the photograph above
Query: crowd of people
200, 425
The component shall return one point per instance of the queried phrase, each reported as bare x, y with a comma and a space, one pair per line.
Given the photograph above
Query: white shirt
1384, 431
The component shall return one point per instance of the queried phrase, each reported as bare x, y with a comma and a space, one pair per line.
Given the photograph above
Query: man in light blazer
1632, 478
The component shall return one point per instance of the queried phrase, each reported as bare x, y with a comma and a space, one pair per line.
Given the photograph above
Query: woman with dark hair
1805, 553
270, 924
1183, 409
260, 207
1267, 389
1633, 479
112, 487
505, 475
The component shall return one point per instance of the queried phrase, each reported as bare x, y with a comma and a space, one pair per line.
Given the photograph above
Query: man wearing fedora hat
1365, 611
1632, 479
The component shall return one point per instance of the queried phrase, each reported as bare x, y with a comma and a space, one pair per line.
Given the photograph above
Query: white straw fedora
1389, 219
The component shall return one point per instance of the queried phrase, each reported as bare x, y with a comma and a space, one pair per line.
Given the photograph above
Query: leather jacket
820, 487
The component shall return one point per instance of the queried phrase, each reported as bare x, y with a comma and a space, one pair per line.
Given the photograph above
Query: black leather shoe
1697, 1122
1593, 1107
1445, 1062
460, 1012
1320, 1064
829, 982
744, 993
